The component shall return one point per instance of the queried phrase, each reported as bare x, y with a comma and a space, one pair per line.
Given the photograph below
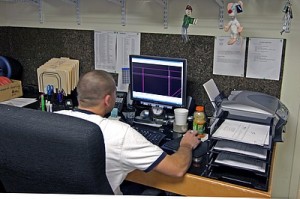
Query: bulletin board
32, 47
199, 52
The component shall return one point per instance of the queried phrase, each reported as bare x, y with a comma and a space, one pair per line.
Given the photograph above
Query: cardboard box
11, 91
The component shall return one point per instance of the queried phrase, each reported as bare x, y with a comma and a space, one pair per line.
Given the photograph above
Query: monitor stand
158, 112
153, 117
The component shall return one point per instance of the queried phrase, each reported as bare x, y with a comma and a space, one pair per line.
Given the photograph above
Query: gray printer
255, 107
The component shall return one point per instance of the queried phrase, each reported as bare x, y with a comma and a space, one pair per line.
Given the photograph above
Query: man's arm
178, 163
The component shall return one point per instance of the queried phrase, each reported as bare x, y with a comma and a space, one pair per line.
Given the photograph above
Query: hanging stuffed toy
287, 18
234, 26
187, 20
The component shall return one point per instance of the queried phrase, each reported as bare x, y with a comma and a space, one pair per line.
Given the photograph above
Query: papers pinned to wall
264, 58
229, 59
112, 50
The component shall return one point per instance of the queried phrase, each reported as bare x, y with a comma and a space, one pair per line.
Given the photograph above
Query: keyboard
151, 134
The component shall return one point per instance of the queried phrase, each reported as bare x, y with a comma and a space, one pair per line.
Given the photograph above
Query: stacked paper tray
62, 73
241, 152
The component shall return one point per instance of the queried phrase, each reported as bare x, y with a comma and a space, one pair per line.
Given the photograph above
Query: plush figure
287, 18
187, 20
234, 26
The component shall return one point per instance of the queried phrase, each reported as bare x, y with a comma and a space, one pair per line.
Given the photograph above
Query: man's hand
190, 140
178, 163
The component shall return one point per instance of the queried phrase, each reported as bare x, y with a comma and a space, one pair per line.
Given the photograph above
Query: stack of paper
62, 73
244, 132
242, 148
19, 102
241, 162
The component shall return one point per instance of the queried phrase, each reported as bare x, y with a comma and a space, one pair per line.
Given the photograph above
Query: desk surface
195, 185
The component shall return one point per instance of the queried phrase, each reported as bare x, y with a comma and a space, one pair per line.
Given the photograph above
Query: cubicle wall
32, 47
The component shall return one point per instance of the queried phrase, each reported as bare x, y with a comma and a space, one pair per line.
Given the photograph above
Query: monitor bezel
153, 102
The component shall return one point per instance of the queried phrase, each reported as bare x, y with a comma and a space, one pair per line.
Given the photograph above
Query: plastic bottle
199, 121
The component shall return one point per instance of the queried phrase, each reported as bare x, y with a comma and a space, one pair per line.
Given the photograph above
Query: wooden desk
194, 185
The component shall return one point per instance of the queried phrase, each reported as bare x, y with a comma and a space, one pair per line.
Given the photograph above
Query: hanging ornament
187, 20
233, 25
287, 17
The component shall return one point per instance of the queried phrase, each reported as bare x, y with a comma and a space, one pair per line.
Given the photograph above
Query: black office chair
44, 152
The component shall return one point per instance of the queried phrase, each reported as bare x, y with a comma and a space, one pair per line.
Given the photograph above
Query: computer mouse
201, 150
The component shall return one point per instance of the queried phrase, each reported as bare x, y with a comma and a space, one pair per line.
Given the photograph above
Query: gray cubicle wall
34, 46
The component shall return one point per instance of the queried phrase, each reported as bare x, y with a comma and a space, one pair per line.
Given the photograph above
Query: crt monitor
158, 81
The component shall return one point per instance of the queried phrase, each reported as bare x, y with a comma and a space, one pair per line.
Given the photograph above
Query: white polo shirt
126, 149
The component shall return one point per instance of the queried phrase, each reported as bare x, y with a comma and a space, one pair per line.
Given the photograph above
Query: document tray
241, 149
253, 169
239, 177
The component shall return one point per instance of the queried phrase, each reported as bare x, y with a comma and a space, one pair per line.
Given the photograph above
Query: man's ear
107, 100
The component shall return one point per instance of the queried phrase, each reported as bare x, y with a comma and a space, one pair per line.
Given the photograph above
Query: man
126, 149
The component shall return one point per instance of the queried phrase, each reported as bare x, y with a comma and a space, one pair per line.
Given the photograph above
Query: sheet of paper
105, 50
241, 162
244, 132
112, 50
211, 90
242, 148
128, 43
19, 102
229, 59
264, 58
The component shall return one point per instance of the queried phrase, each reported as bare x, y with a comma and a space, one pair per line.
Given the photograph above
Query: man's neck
92, 110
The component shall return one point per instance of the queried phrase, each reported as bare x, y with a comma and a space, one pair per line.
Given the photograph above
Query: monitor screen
158, 81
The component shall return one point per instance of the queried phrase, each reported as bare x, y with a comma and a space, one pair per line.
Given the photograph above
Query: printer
254, 107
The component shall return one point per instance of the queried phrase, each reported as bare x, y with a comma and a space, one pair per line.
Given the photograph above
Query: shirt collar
85, 111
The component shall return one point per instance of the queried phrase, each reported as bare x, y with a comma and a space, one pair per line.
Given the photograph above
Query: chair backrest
43, 152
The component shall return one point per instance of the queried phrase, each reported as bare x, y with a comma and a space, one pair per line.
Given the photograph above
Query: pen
43, 102
60, 97
48, 106
50, 90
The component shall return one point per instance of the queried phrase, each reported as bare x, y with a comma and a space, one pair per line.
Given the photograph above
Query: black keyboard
151, 134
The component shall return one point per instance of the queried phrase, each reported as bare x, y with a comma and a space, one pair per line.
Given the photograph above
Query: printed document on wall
128, 43
105, 50
229, 59
264, 58
112, 50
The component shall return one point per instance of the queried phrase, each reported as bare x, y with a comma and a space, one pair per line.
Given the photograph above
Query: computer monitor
158, 81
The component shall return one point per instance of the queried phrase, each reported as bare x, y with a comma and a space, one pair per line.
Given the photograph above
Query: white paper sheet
229, 59
241, 162
128, 43
105, 50
112, 50
19, 102
211, 90
264, 58
242, 148
244, 132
